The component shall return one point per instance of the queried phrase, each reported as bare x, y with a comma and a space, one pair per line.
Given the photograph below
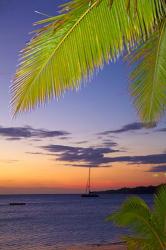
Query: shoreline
108, 246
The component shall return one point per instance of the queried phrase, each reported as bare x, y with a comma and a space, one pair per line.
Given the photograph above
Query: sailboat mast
88, 192
89, 179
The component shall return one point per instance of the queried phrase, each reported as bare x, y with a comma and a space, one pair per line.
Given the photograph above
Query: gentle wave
56, 221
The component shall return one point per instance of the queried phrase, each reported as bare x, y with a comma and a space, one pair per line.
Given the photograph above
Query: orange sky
41, 175
26, 167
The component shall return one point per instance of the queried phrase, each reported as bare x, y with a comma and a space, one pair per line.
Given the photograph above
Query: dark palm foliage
85, 35
148, 225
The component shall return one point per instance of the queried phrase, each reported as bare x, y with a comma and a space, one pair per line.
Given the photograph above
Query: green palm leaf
135, 243
149, 76
160, 211
134, 212
81, 39
148, 226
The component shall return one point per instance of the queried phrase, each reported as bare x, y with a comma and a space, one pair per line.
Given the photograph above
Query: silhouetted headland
133, 190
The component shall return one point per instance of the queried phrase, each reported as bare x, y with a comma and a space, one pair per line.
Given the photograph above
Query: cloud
35, 153
90, 156
109, 143
143, 159
103, 143
158, 169
65, 137
81, 142
10, 161
18, 133
40, 153
87, 166
126, 128
14, 138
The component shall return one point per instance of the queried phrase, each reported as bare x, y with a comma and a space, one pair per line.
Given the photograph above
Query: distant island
133, 190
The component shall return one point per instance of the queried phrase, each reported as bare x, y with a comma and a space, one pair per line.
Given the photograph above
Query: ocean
57, 221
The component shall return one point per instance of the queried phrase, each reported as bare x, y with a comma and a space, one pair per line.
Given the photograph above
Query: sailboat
88, 193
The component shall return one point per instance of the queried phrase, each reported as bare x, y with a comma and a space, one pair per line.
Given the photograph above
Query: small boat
88, 192
17, 204
90, 195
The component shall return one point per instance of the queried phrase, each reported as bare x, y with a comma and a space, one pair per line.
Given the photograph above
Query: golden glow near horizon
27, 168
42, 174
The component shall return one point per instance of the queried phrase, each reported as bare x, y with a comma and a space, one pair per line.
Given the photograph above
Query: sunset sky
50, 149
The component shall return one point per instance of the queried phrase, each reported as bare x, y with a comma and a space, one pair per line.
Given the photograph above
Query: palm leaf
72, 45
149, 76
135, 243
160, 212
136, 214
133, 207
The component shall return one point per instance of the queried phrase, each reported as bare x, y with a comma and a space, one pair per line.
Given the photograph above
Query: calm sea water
56, 221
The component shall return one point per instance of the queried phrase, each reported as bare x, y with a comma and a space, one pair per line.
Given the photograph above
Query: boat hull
92, 195
17, 204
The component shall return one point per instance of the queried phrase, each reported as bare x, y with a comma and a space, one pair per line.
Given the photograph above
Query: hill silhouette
133, 190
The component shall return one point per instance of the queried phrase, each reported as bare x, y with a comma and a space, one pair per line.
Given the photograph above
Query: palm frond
135, 214
72, 45
160, 212
135, 243
134, 208
149, 76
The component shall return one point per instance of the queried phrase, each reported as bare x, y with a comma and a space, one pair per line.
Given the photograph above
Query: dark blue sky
105, 101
